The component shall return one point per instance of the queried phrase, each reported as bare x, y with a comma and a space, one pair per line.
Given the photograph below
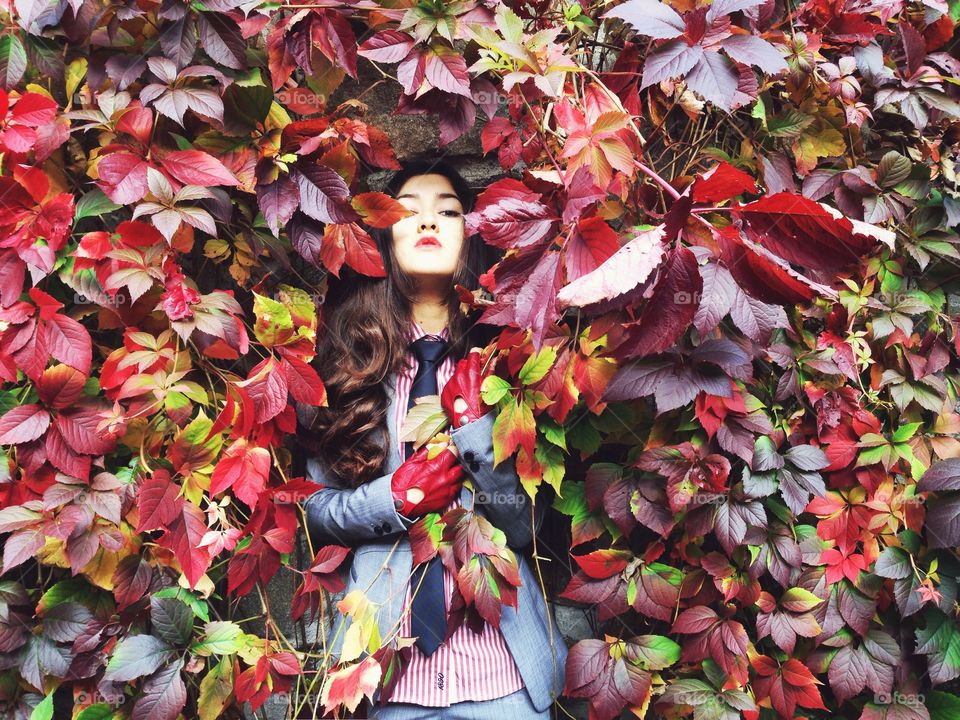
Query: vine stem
651, 173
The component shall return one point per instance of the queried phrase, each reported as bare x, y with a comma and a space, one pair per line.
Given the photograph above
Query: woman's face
437, 214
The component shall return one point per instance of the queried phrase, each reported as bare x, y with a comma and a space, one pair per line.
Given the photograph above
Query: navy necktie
428, 610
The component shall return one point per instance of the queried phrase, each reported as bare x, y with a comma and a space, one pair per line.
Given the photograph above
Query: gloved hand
460, 398
422, 485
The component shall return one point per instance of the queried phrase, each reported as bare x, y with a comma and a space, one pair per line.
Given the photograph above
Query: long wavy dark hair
363, 337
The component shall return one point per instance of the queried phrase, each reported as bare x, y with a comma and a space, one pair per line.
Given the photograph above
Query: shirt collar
417, 332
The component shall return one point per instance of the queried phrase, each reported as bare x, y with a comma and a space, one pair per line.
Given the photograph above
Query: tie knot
428, 349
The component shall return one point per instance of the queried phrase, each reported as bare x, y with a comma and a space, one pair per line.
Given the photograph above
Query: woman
388, 341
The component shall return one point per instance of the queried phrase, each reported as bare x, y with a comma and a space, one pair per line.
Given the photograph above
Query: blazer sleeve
339, 515
499, 495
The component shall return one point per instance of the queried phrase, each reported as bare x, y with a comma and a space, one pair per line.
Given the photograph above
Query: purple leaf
278, 201
222, 41
751, 50
670, 60
649, 17
715, 79
719, 291
324, 195
164, 694
944, 475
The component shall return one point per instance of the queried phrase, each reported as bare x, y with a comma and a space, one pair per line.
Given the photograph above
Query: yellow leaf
215, 690
216, 249
101, 567
819, 141
76, 70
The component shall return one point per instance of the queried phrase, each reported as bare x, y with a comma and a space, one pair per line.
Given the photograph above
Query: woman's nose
427, 221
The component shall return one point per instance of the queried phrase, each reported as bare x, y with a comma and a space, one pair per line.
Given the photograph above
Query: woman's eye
456, 213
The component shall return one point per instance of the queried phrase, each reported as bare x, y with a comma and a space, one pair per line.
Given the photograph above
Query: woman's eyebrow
440, 196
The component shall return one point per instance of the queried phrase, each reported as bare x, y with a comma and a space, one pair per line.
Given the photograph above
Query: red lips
429, 240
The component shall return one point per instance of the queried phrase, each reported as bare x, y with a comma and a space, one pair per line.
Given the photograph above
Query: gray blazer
365, 519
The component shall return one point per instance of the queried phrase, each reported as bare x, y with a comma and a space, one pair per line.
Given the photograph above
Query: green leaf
43, 711
799, 600
196, 604
493, 389
220, 638
893, 563
136, 656
538, 365
653, 652
788, 125
274, 324
940, 642
94, 204
172, 619
13, 61
905, 432
942, 705
100, 711
71, 590
552, 431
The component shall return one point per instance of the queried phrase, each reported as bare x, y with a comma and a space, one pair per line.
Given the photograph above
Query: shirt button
468, 456
378, 529
464, 419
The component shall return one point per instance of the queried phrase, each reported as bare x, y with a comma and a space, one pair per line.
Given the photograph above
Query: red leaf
23, 424
183, 537
34, 109
620, 275
601, 564
787, 685
387, 46
379, 209
332, 35
509, 214
670, 310
69, 342
803, 232
123, 177
79, 428
267, 387
305, 385
243, 467
447, 70
60, 386
760, 276
351, 244
195, 167
138, 122
349, 685
722, 183
158, 501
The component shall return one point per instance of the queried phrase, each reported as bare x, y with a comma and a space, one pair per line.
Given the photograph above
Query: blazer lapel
393, 455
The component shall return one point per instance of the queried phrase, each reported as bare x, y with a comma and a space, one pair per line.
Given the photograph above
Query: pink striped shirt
469, 666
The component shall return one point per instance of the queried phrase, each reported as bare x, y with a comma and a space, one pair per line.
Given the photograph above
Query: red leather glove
421, 485
465, 383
